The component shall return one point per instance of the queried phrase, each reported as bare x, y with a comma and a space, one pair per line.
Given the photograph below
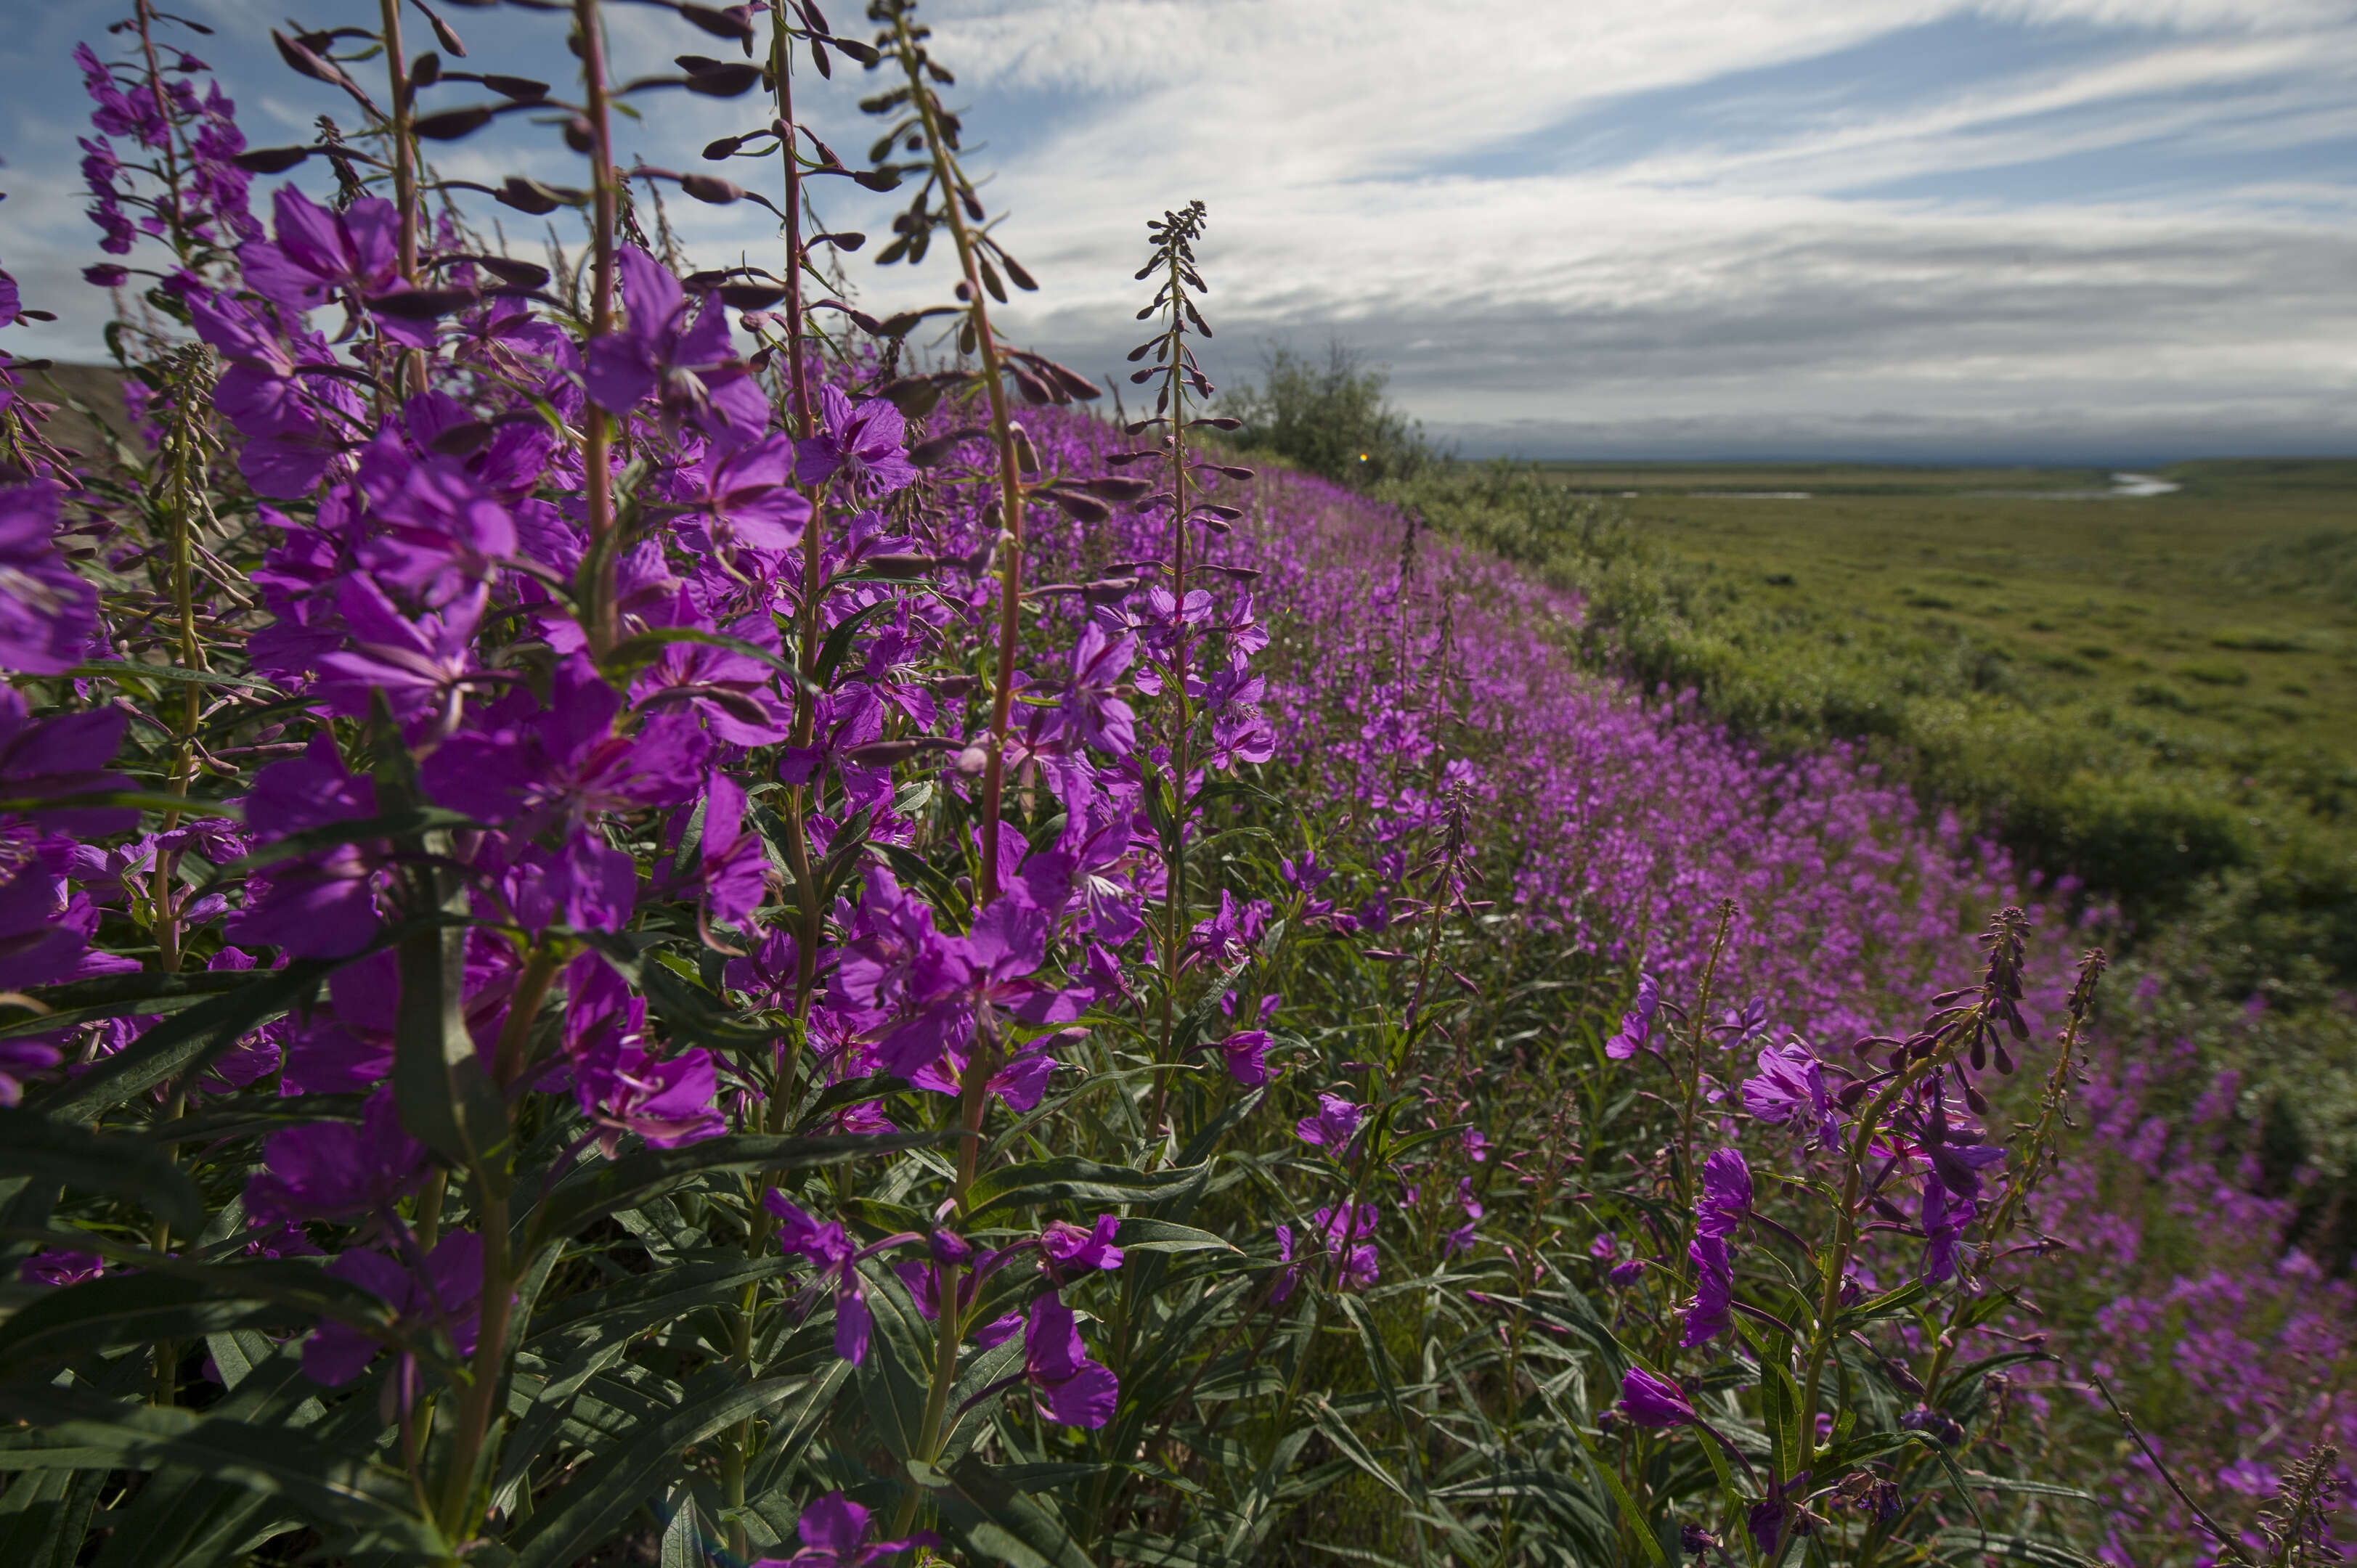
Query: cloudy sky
2102, 230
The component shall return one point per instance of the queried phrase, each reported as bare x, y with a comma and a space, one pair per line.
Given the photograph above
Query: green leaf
837, 644
896, 1375
173, 1298
115, 670
997, 1521
332, 1488
637, 1176
1067, 1179
1630, 1512
1139, 1234
446, 1099
1889, 1304
605, 1489
114, 995
121, 799
45, 1514
188, 1041
34, 1146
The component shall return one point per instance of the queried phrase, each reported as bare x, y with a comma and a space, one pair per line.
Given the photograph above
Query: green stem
598, 611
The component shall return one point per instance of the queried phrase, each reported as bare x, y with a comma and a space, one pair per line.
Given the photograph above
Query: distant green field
2224, 614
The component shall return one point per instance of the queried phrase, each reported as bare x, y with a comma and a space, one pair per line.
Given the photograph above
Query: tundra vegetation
650, 916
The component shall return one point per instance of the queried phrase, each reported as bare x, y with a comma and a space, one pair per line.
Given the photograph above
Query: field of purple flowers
642, 924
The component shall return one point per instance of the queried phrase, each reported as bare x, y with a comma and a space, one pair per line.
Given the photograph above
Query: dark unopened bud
1237, 573
514, 274
725, 148
1851, 1094
1108, 590
899, 568
1079, 506
1027, 456
452, 123
1230, 471
271, 160
2004, 1058
972, 760
422, 304
521, 89
736, 22
1037, 389
934, 449
956, 687
1217, 422
752, 295
580, 136
720, 79
891, 752
1117, 489
1977, 1100
712, 191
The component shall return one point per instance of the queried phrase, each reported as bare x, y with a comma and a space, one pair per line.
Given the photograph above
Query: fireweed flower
1652, 1401
741, 498
1726, 1198
449, 1298
834, 1533
1637, 1024
1346, 1234
333, 1170
1710, 1315
1245, 1052
690, 368
48, 613
321, 904
21, 1060
1067, 1252
668, 1103
539, 767
50, 1266
1070, 1389
1791, 1088
1093, 715
1334, 1126
315, 255
864, 443
835, 1265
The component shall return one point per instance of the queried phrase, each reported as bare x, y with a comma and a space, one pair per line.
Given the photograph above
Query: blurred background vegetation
2152, 695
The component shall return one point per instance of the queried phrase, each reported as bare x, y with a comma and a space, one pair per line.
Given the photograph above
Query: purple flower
45, 927
316, 254
1067, 1252
668, 1103
1093, 715
21, 1059
65, 754
1945, 1218
1346, 1234
829, 1251
1650, 1400
1709, 1315
692, 369
1791, 1088
1637, 1024
347, 1047
50, 1266
333, 1170
1726, 1192
1334, 1126
1247, 1055
1071, 1390
539, 767
740, 497
835, 1531
735, 866
449, 1298
862, 444
48, 614
321, 904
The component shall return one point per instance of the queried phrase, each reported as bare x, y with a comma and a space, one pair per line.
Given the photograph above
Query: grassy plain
2219, 620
